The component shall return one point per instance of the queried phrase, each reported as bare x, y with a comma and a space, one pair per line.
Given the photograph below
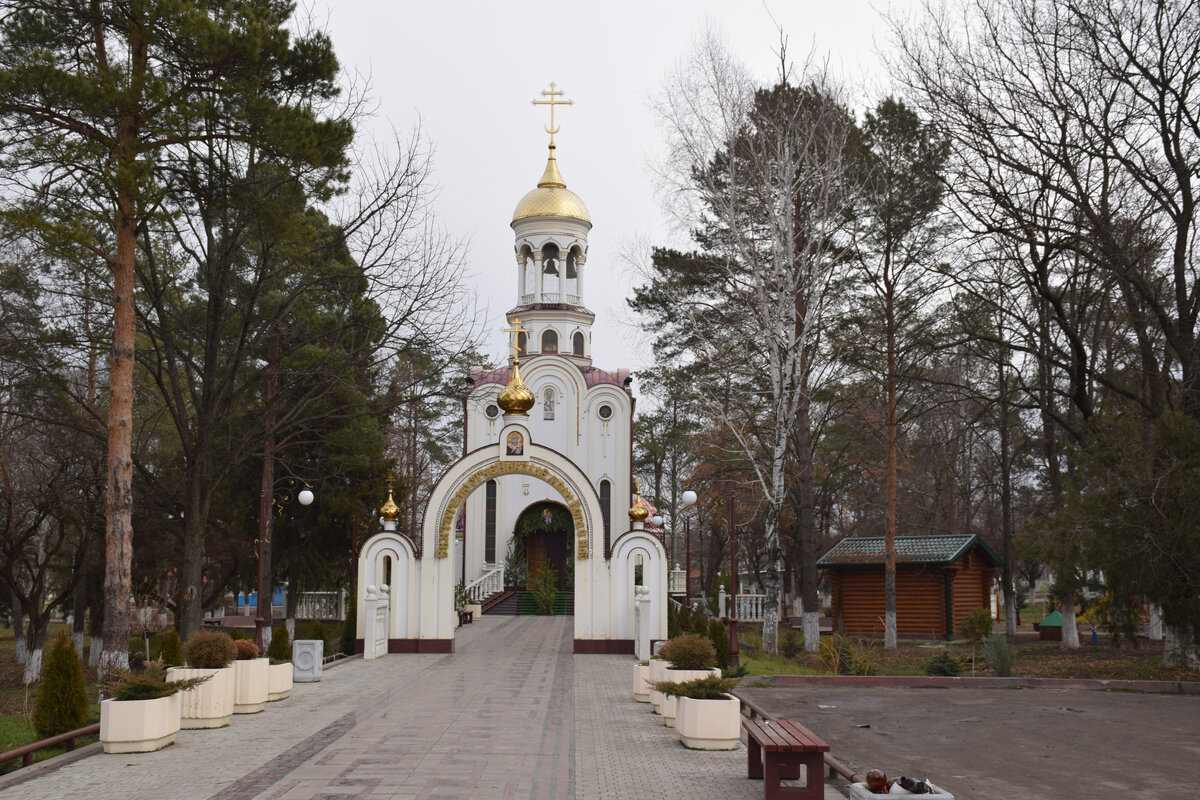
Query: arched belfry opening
543, 537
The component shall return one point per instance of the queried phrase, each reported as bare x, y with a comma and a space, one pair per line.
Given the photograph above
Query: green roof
1053, 619
932, 550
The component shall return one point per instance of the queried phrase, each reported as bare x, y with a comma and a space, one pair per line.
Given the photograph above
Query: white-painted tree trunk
1180, 649
33, 666
94, 650
1070, 631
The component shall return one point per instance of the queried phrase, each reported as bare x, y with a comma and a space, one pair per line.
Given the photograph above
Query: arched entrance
544, 531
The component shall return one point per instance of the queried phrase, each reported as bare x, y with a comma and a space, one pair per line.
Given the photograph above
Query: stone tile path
512, 714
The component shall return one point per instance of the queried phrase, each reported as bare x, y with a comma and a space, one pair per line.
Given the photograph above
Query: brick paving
512, 714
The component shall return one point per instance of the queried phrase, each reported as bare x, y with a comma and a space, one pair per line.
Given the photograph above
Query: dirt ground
1036, 744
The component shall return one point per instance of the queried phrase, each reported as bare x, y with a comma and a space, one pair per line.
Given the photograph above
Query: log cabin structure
939, 580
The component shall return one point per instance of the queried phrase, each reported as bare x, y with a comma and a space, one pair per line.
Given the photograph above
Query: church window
571, 268
549, 342
548, 404
605, 412
489, 524
492, 411
577, 343
522, 342
606, 504
550, 259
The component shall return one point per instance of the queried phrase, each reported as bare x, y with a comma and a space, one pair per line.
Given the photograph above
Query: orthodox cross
552, 93
516, 330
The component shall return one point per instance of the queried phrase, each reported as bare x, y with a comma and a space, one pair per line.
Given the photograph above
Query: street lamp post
265, 503
689, 499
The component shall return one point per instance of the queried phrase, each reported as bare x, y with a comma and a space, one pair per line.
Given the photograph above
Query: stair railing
487, 584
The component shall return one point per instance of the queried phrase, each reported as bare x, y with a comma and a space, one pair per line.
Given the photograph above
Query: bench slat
784, 736
800, 732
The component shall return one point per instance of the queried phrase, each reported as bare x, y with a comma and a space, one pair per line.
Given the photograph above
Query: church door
548, 530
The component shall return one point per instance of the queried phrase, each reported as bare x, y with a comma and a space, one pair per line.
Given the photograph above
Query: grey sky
468, 71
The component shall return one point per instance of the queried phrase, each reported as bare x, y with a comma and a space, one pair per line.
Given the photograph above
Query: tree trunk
1070, 631
18, 619
1006, 571
809, 578
79, 612
35, 642
889, 486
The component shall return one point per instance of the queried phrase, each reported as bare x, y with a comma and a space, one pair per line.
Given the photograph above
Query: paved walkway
512, 714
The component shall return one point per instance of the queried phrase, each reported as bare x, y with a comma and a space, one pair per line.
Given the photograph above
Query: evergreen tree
62, 702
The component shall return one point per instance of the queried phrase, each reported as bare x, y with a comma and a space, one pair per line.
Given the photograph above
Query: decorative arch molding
401, 595
654, 577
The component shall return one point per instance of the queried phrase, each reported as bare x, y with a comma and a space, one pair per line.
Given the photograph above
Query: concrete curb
920, 682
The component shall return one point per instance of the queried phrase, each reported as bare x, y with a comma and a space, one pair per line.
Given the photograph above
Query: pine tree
62, 702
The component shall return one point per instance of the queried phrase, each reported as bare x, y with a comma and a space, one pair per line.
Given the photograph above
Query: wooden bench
777, 749
465, 617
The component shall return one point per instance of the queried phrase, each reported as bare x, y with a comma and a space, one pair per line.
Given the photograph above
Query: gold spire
552, 198
515, 398
552, 178
639, 512
390, 511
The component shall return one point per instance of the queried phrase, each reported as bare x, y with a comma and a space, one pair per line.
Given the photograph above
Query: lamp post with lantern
269, 503
688, 499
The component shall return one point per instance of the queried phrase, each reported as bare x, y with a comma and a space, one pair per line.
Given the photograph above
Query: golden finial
390, 511
552, 93
515, 398
514, 341
639, 512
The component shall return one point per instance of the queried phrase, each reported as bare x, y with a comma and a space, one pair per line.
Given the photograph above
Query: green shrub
545, 589
349, 630
171, 654
149, 684
718, 634
62, 702
690, 651
791, 642
699, 625
462, 598
842, 655
235, 634
280, 648
976, 626
943, 664
318, 631
999, 654
209, 650
246, 650
710, 688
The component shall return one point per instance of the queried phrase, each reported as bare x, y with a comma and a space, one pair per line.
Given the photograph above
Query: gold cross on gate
552, 93
516, 330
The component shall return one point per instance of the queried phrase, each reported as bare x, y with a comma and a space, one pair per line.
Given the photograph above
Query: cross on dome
552, 93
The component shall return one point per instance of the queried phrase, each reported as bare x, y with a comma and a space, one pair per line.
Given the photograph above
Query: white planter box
476, 611
250, 694
709, 724
209, 705
641, 690
307, 660
658, 672
858, 791
139, 726
279, 681
668, 708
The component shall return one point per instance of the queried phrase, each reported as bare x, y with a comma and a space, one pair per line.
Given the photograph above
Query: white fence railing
677, 581
321, 605
749, 607
487, 584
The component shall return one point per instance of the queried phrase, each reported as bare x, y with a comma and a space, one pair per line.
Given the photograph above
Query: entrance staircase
519, 601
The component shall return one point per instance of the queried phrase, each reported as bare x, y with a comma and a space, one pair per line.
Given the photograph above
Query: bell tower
551, 226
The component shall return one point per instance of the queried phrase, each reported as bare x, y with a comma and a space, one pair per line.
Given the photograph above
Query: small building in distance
939, 580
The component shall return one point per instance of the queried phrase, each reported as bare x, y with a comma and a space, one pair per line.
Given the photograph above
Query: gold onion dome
552, 198
515, 398
639, 512
389, 510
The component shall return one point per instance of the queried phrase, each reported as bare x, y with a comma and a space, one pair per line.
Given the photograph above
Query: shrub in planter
252, 678
209, 650
690, 651
171, 654
707, 718
62, 702
246, 649
943, 664
280, 648
143, 713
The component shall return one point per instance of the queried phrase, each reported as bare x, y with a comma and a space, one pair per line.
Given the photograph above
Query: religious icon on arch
516, 444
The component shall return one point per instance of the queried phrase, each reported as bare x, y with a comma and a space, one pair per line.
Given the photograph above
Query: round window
492, 411
605, 411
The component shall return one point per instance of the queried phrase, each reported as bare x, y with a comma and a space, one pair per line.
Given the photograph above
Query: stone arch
654, 578
403, 598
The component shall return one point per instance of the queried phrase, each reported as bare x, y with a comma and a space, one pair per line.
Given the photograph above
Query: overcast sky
468, 71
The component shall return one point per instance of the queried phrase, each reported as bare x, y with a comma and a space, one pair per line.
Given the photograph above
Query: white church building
546, 479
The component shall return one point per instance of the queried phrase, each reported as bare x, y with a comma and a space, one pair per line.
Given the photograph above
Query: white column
641, 622
521, 270
579, 262
540, 278
370, 604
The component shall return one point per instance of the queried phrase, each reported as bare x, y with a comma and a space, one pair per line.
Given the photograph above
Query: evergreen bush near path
62, 702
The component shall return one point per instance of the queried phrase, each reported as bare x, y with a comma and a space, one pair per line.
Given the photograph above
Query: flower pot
658, 672
209, 705
641, 690
139, 726
279, 681
250, 693
858, 791
709, 724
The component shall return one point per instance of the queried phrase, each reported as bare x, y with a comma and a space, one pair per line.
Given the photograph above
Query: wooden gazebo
939, 580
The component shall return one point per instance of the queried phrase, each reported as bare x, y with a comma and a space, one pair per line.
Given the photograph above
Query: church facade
545, 483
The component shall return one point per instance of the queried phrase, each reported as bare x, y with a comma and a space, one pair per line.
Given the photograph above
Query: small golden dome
515, 398
639, 512
551, 198
389, 510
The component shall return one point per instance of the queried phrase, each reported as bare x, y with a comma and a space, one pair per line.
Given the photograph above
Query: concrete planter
279, 681
139, 726
476, 611
641, 690
209, 705
668, 708
709, 724
668, 705
307, 660
253, 682
658, 672
858, 791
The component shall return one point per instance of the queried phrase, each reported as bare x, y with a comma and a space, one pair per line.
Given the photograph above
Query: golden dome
389, 510
515, 398
551, 198
639, 512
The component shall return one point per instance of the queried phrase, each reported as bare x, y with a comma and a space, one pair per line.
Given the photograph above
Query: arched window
571, 267
549, 342
548, 404
606, 504
550, 259
489, 524
522, 343
577, 343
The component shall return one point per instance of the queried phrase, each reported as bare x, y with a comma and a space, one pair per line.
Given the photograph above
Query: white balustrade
750, 607
528, 298
677, 581
321, 605
487, 584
